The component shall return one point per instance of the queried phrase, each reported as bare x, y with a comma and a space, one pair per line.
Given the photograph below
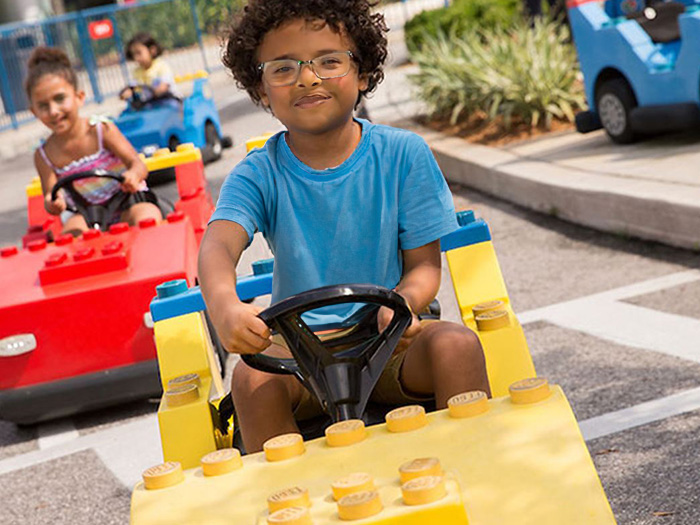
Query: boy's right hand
240, 330
54, 207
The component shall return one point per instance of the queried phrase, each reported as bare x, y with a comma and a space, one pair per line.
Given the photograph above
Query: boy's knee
450, 341
245, 380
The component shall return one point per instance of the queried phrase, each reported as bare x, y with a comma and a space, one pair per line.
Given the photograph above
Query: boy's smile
310, 105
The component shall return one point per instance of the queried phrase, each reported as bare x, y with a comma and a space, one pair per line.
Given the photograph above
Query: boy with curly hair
339, 200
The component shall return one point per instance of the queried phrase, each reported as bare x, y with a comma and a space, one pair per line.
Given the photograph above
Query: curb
649, 210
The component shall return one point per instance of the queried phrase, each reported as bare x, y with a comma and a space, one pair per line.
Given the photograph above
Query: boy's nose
307, 77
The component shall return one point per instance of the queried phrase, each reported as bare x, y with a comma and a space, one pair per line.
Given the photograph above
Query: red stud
64, 239
175, 216
55, 259
91, 234
37, 245
112, 248
120, 227
147, 223
9, 251
83, 254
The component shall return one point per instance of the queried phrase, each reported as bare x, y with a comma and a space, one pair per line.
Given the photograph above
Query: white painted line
126, 450
641, 414
55, 433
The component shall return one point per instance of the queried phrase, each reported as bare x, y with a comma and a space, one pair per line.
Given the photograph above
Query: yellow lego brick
34, 188
505, 348
184, 347
164, 158
524, 464
257, 142
476, 276
185, 423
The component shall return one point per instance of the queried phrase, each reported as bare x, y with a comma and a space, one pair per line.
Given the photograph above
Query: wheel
173, 143
614, 102
213, 142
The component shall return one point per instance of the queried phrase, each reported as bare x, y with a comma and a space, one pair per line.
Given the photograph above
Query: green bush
462, 17
525, 73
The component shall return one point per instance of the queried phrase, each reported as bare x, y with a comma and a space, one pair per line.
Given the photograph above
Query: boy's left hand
132, 182
384, 317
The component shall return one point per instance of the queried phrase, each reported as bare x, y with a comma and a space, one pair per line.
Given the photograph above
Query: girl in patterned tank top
79, 144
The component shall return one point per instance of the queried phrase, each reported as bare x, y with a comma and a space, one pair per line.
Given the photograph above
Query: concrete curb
650, 210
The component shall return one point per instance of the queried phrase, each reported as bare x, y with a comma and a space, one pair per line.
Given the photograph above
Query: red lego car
75, 332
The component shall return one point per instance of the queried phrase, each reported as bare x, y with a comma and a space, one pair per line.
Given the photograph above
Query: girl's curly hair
249, 26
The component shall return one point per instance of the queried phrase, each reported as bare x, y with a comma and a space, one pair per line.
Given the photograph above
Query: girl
151, 70
79, 144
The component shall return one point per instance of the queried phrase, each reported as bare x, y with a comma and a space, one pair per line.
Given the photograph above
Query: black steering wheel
341, 371
95, 214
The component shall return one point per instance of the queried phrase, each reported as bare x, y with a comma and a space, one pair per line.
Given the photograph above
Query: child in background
151, 70
78, 144
339, 200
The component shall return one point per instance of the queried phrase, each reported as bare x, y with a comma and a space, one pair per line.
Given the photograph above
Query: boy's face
310, 105
56, 103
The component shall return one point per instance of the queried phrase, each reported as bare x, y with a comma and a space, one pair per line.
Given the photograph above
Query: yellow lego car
516, 458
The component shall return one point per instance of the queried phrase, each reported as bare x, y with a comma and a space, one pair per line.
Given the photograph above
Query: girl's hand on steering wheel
54, 207
132, 182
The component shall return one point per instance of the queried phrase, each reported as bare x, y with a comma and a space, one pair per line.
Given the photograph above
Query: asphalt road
614, 321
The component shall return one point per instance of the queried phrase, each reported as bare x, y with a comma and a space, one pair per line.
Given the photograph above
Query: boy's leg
445, 359
264, 402
140, 211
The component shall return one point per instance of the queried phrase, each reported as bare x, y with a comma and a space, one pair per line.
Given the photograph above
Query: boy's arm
421, 275
237, 324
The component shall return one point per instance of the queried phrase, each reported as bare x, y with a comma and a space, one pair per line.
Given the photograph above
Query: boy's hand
240, 330
132, 182
54, 207
384, 317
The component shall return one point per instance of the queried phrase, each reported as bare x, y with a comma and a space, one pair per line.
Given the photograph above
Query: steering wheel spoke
94, 213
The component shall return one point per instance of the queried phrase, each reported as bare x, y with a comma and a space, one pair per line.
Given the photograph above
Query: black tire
614, 102
213, 142
173, 143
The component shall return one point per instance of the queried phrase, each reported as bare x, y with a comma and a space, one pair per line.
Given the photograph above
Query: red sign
101, 29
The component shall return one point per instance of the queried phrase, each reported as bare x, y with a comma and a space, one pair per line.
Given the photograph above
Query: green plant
461, 17
524, 72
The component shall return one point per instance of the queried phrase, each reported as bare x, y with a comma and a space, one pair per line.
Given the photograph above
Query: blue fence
101, 63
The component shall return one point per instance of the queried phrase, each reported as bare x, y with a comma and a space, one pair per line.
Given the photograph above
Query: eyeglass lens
286, 72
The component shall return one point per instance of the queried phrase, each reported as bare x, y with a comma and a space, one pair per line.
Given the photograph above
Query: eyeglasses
278, 73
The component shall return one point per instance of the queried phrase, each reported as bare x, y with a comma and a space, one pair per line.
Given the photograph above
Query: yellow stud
406, 418
291, 497
345, 433
187, 146
468, 404
359, 505
423, 490
186, 379
487, 307
181, 395
161, 152
284, 447
290, 516
221, 462
163, 475
492, 320
531, 390
352, 483
417, 468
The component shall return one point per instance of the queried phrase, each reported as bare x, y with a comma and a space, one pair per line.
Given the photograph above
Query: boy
339, 201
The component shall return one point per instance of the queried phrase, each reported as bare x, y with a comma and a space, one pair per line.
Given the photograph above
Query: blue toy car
151, 122
640, 64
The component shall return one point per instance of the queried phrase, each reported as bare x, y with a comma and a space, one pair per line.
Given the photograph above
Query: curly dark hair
144, 39
48, 61
249, 26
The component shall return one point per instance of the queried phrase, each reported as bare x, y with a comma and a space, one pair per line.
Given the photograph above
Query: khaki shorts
387, 391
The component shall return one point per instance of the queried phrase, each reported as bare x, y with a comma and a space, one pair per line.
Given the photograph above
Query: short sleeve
426, 209
242, 201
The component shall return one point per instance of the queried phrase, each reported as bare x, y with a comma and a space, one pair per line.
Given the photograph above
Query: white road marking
55, 433
641, 414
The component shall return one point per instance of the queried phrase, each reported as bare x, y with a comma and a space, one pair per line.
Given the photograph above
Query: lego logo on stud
487, 307
290, 516
359, 505
468, 404
181, 395
352, 483
284, 447
406, 418
419, 467
221, 462
163, 475
186, 379
492, 320
291, 497
423, 490
529, 390
344, 433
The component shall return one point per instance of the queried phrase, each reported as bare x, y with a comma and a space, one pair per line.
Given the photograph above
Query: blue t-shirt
341, 225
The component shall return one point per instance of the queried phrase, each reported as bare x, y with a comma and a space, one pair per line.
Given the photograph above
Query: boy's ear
363, 82
263, 96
